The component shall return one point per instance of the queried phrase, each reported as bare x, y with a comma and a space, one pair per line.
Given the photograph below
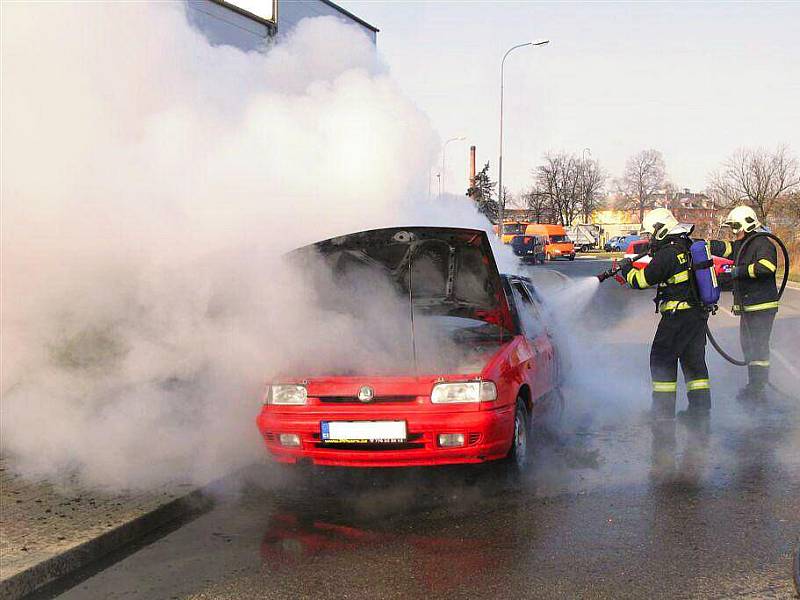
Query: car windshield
558, 239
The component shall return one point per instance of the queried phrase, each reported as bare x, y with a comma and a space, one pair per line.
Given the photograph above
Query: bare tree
566, 186
557, 180
644, 175
758, 178
791, 208
538, 204
591, 182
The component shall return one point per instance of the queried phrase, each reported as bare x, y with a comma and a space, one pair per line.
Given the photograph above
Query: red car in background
722, 266
494, 368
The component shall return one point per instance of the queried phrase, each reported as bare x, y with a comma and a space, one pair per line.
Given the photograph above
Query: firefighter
681, 333
757, 299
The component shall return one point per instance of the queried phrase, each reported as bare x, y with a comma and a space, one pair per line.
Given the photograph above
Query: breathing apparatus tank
708, 290
701, 267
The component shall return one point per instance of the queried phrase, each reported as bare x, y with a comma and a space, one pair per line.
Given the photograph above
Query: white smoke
150, 181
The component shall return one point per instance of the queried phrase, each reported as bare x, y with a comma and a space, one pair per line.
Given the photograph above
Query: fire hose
742, 363
614, 270
747, 242
736, 262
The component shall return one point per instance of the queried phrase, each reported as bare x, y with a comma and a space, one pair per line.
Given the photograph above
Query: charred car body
477, 367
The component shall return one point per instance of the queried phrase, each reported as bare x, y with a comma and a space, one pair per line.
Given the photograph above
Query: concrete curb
792, 285
68, 562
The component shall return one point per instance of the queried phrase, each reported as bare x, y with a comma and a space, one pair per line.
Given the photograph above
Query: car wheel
557, 408
519, 452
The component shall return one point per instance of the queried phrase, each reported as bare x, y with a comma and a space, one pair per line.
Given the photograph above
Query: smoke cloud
150, 184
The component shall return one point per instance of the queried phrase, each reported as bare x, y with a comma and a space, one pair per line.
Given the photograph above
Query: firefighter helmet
658, 223
742, 218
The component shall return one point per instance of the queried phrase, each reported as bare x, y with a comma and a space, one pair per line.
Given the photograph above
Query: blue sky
695, 81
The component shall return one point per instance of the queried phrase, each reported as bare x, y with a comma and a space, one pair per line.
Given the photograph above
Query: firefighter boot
751, 394
696, 419
663, 457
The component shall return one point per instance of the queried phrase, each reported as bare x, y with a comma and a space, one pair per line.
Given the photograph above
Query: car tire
519, 454
558, 406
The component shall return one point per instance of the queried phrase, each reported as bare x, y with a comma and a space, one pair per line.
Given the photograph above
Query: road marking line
785, 362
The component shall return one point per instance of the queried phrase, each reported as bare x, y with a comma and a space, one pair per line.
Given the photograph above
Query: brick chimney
472, 166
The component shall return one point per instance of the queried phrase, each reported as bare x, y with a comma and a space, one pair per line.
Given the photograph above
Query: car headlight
462, 392
286, 394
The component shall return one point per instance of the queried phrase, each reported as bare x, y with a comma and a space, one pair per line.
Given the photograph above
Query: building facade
251, 25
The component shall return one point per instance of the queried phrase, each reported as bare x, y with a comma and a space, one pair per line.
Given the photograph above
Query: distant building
252, 24
684, 198
616, 222
691, 207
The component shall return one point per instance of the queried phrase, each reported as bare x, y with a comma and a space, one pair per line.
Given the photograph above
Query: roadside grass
605, 254
794, 275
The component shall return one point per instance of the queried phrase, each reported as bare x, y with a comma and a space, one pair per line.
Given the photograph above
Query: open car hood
443, 270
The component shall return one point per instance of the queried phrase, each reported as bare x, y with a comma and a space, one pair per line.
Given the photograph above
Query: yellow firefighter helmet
659, 222
742, 218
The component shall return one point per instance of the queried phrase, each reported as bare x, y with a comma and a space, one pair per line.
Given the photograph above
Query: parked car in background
585, 237
462, 386
623, 242
636, 248
611, 243
558, 244
512, 229
530, 248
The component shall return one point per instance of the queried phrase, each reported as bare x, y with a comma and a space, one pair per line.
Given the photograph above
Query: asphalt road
597, 517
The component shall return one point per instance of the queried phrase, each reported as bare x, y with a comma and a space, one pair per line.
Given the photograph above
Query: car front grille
355, 400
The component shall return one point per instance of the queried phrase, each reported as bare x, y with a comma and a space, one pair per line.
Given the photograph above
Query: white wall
291, 12
224, 26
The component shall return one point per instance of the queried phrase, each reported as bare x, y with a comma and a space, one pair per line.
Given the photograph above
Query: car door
540, 376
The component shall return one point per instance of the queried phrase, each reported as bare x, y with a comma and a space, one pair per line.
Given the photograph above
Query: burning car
473, 363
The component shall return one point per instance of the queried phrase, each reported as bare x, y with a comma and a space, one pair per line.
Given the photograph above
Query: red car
468, 396
722, 266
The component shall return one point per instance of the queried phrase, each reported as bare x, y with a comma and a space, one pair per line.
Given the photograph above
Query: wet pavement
602, 513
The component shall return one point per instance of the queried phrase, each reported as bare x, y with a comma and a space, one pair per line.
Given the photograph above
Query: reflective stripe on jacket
669, 270
756, 272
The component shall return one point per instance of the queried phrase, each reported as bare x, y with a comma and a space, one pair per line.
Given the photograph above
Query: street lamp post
460, 138
500, 215
584, 168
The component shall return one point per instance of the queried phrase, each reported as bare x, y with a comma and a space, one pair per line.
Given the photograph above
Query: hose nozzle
617, 268
606, 274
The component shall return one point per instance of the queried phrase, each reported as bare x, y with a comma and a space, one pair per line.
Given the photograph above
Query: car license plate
363, 432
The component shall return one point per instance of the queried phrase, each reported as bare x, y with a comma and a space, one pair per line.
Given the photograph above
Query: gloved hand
625, 265
738, 273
